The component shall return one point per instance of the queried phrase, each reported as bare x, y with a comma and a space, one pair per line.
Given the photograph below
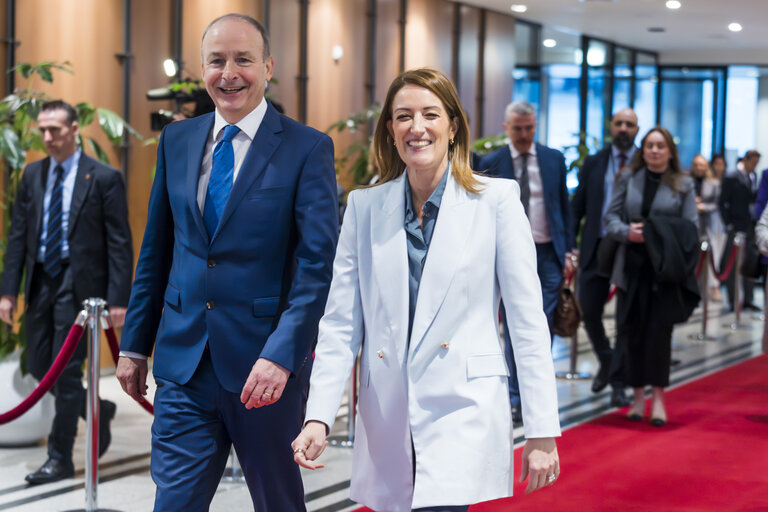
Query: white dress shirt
537, 210
68, 186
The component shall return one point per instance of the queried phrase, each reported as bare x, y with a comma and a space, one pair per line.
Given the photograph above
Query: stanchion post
349, 440
234, 472
94, 308
572, 373
704, 287
739, 240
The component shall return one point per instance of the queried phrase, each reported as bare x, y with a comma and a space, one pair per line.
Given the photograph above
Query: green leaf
85, 113
11, 148
100, 153
114, 126
25, 68
44, 70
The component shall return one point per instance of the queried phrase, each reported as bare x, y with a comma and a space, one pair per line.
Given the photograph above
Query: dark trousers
550, 272
747, 285
52, 308
196, 424
593, 292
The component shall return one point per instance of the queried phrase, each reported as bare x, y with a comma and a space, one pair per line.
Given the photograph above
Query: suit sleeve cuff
132, 355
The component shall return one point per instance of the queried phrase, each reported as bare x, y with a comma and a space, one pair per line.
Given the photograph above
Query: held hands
132, 374
541, 463
264, 385
309, 444
636, 233
7, 308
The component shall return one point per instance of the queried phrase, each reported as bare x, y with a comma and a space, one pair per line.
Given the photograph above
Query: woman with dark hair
423, 259
651, 200
710, 222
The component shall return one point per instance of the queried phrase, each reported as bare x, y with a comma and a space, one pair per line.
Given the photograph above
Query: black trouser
747, 285
593, 292
51, 310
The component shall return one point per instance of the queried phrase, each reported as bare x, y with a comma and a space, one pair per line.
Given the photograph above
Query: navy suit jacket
588, 202
553, 174
258, 286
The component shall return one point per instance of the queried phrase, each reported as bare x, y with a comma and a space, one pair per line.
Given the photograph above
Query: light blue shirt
418, 238
610, 177
68, 183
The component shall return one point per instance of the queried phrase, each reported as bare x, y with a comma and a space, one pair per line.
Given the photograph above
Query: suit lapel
446, 250
390, 259
195, 150
262, 147
83, 182
506, 157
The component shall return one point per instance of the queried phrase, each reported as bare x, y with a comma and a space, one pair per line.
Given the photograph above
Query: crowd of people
414, 280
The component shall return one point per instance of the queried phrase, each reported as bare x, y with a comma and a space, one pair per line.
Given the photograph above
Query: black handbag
567, 313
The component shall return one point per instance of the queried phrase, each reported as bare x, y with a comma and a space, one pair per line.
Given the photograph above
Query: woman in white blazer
423, 259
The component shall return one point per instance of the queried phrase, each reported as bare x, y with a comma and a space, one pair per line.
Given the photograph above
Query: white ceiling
697, 32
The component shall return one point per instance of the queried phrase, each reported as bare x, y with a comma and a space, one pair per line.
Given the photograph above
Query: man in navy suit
541, 173
590, 202
231, 282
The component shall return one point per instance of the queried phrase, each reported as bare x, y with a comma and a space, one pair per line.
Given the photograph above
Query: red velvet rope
728, 267
73, 338
611, 293
114, 349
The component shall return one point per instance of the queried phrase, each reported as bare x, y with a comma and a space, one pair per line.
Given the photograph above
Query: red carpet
711, 456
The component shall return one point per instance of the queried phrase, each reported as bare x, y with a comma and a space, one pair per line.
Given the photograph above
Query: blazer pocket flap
172, 296
266, 306
486, 365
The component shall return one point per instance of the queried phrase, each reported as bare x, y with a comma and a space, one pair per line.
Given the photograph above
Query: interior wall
429, 35
387, 46
499, 64
469, 49
284, 33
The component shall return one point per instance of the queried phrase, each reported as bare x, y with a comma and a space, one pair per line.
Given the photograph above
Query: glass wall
740, 113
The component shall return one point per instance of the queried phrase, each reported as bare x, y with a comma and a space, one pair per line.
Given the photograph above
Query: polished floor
126, 485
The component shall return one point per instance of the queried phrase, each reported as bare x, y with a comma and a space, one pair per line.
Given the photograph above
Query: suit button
209, 305
211, 263
445, 345
380, 353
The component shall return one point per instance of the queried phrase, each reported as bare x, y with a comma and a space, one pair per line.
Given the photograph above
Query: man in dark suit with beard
69, 228
589, 203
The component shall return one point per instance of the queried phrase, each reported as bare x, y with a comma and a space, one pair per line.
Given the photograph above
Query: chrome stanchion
234, 472
348, 441
704, 285
572, 373
93, 307
736, 300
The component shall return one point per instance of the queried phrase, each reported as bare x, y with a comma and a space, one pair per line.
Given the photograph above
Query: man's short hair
751, 154
61, 105
248, 19
521, 108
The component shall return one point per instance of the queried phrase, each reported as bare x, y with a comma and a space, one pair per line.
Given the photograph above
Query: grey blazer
627, 202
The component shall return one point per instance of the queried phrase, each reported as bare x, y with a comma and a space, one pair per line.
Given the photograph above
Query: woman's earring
450, 141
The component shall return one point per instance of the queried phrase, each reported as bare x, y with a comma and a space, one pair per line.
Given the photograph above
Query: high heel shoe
633, 415
658, 422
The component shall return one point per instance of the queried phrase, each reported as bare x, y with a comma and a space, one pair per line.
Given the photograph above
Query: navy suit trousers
195, 426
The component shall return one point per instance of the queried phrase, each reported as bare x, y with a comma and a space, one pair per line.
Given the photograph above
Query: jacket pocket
173, 297
266, 306
486, 365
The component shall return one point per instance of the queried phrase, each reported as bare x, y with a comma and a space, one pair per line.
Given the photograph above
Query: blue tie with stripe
220, 182
54, 237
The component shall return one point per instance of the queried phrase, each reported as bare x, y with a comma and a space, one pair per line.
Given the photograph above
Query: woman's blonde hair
386, 158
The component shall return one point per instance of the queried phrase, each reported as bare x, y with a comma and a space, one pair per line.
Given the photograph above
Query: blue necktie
53, 238
220, 182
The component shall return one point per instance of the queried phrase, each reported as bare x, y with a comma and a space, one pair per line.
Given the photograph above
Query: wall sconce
337, 52
169, 66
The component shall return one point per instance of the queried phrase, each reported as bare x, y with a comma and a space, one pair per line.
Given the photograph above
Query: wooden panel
284, 32
468, 55
196, 15
499, 64
428, 35
336, 89
387, 46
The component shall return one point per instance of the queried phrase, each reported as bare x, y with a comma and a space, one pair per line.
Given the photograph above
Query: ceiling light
673, 4
519, 7
734, 27
549, 43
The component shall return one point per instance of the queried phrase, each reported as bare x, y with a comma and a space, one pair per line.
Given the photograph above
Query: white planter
35, 424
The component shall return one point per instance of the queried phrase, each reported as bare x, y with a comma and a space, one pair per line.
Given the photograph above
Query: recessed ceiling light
734, 27
519, 7
657, 29
549, 43
673, 4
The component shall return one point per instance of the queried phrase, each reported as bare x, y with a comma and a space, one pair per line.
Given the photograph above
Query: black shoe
619, 399
601, 379
751, 307
658, 422
52, 471
106, 414
517, 415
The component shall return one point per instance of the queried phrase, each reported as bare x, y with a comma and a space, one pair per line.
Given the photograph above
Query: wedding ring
298, 450
267, 394
551, 478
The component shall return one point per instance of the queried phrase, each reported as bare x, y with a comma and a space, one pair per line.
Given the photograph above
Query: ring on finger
267, 394
551, 478
298, 450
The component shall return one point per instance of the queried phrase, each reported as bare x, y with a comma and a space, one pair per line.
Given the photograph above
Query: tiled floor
126, 485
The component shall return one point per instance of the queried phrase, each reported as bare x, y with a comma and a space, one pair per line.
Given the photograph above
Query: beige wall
499, 64
428, 35
469, 49
387, 46
284, 32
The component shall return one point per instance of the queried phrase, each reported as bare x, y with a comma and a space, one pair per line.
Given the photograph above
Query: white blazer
445, 391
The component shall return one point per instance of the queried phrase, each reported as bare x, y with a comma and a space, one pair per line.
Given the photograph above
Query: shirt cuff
132, 355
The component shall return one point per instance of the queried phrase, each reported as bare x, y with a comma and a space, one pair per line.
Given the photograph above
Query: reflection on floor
126, 485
